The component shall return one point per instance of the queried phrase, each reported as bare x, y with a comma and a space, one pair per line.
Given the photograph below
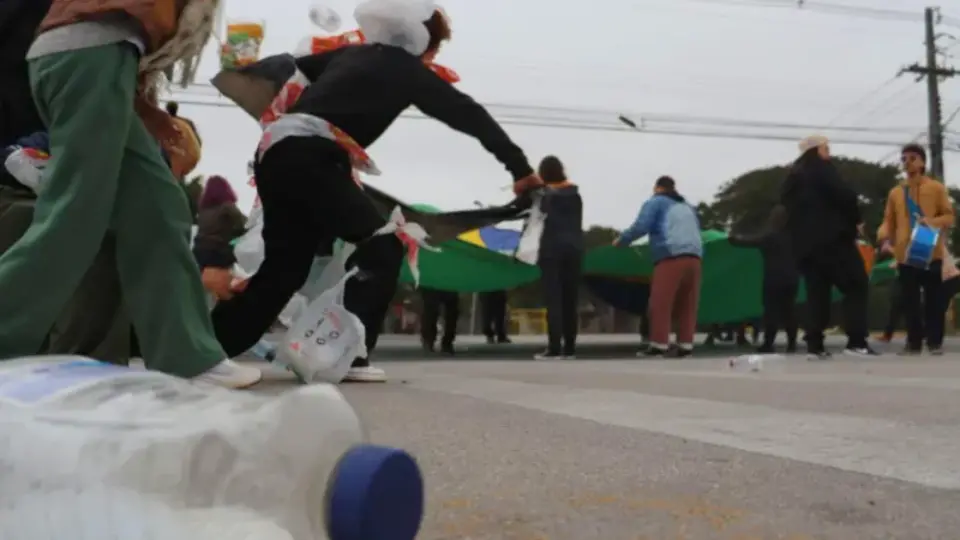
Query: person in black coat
561, 258
780, 279
823, 218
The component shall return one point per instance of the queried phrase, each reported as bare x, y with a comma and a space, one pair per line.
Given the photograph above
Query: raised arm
439, 99
750, 240
643, 224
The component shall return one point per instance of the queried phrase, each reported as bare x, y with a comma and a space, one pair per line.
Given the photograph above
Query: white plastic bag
291, 312
396, 22
325, 17
326, 339
528, 247
249, 250
26, 165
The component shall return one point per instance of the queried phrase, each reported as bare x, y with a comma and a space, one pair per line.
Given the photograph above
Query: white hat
813, 141
396, 22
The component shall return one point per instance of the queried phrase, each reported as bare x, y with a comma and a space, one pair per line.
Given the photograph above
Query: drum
923, 241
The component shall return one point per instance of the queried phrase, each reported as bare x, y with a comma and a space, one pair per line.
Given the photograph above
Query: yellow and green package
242, 46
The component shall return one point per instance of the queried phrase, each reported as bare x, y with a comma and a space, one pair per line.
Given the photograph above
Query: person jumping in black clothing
823, 218
780, 280
333, 106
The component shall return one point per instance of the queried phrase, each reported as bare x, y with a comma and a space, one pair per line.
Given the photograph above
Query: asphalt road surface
677, 449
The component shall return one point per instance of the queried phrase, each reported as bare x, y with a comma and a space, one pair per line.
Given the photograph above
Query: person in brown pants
676, 249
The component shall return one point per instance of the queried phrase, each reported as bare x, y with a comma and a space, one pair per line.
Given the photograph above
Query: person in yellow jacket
918, 200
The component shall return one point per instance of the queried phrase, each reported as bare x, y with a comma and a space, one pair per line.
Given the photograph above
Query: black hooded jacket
563, 228
362, 89
822, 209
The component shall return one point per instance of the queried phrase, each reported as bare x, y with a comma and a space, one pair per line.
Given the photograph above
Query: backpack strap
913, 209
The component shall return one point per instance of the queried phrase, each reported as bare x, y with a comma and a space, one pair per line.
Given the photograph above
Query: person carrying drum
919, 202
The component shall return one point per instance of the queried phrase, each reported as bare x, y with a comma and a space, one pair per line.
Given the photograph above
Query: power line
833, 8
601, 116
872, 112
614, 126
862, 99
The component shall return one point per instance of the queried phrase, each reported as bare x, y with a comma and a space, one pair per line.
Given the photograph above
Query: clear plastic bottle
265, 350
755, 362
77, 435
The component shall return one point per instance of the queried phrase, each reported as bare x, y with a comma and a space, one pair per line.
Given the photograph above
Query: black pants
433, 302
922, 296
560, 274
493, 311
309, 200
896, 308
840, 266
779, 311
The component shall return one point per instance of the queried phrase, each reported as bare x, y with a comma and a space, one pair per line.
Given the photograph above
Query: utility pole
933, 73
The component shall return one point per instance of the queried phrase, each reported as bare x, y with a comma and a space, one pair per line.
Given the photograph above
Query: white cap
812, 141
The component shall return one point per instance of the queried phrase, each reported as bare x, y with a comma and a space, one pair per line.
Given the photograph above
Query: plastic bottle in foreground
754, 362
91, 451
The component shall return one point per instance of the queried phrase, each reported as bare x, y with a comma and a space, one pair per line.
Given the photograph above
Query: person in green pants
106, 173
93, 323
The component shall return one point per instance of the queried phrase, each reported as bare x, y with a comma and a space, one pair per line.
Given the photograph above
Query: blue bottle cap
376, 493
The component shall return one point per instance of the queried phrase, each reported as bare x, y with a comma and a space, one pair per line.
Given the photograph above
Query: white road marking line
918, 454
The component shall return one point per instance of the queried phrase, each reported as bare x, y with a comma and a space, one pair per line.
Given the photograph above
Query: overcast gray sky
668, 57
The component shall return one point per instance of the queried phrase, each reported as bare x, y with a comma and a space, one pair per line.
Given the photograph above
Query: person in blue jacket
676, 248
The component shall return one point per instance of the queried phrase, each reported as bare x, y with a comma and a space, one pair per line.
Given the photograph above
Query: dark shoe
935, 350
504, 341
547, 355
491, 341
362, 372
448, 350
360, 362
860, 352
766, 349
427, 346
652, 352
679, 353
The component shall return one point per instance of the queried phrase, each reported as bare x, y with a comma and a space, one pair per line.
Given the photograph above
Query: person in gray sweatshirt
561, 258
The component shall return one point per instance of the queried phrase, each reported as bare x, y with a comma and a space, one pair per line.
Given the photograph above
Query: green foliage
710, 218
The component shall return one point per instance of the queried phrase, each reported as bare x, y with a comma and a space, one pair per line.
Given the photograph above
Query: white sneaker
366, 374
230, 374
